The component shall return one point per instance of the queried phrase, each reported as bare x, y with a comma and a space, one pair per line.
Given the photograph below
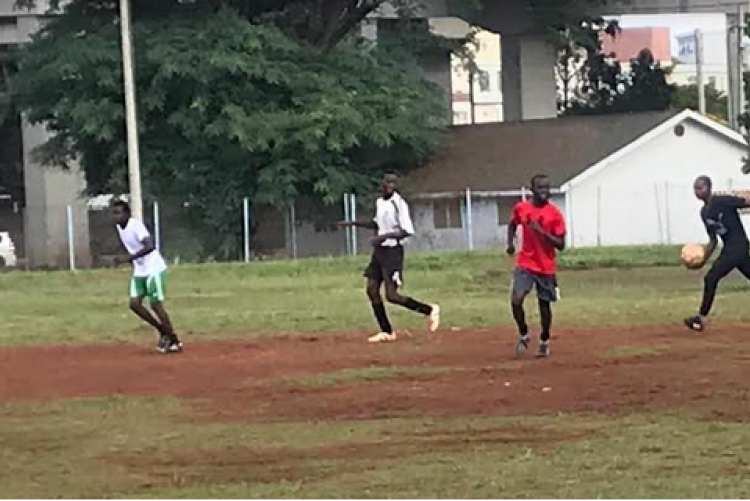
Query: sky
679, 24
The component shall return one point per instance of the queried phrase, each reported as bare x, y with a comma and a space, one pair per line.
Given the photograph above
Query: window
460, 117
505, 208
447, 214
483, 79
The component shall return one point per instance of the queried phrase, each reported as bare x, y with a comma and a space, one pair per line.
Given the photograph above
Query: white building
620, 180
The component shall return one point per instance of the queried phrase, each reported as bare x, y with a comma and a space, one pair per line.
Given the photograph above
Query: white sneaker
383, 337
433, 321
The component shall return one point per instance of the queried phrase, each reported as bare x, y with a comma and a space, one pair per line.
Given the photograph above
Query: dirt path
481, 374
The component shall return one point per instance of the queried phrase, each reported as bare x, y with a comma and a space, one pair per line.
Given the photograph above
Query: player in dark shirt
721, 217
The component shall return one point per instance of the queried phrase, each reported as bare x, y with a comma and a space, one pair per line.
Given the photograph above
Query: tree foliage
227, 109
686, 96
594, 82
320, 24
744, 118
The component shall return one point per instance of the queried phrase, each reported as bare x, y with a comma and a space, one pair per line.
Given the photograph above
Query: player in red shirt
543, 236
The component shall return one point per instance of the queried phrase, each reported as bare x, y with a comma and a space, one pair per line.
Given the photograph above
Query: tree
227, 109
583, 71
320, 24
744, 118
608, 89
686, 96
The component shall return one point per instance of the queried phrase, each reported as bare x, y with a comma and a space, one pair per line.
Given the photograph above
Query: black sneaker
522, 346
543, 350
694, 324
163, 345
174, 345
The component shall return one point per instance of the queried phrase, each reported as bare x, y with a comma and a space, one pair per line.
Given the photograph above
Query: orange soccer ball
692, 256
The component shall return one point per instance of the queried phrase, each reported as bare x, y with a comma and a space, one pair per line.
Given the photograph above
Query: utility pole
472, 113
131, 117
699, 72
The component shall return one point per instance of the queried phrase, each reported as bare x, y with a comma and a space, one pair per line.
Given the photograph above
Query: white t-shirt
132, 237
393, 215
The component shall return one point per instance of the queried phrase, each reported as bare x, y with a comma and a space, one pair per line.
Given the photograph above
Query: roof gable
504, 156
722, 131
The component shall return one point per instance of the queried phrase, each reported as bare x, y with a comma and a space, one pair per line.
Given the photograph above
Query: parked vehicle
7, 251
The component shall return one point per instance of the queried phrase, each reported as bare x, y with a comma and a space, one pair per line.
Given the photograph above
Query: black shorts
546, 285
387, 265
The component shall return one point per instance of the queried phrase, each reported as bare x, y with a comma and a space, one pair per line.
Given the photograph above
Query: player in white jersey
149, 276
393, 225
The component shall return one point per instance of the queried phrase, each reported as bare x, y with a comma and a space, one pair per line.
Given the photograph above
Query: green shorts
152, 287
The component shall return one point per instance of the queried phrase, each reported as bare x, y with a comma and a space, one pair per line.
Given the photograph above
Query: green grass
363, 375
143, 448
321, 295
633, 351
166, 447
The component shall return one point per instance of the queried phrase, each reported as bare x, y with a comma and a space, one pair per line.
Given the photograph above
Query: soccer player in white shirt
149, 274
393, 225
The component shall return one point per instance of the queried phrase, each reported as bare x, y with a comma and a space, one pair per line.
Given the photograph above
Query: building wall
490, 218
646, 197
48, 191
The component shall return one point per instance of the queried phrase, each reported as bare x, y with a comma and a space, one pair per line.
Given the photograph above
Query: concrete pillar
49, 190
735, 93
529, 86
437, 69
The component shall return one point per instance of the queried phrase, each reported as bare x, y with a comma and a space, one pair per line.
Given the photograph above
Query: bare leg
545, 312
519, 315
136, 305
166, 322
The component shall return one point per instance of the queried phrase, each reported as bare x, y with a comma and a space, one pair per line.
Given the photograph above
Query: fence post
71, 239
598, 215
469, 220
353, 213
667, 213
293, 228
658, 214
570, 235
246, 227
348, 232
157, 227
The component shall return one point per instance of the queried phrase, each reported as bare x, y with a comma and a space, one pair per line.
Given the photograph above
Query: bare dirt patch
233, 380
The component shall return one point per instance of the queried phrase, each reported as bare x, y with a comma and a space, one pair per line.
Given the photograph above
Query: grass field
605, 287
278, 395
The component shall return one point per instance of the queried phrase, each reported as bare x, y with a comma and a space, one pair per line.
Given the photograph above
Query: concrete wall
646, 197
529, 82
48, 189
490, 218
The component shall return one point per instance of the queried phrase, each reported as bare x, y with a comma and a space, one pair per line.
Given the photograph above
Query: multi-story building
480, 101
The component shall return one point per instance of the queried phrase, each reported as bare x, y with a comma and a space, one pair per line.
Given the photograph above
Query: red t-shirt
538, 255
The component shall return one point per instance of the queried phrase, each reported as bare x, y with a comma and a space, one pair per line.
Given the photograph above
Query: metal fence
83, 235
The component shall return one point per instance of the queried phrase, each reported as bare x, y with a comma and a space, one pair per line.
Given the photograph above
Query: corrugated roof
504, 156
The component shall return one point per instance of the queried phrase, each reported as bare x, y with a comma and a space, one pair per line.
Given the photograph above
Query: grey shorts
546, 285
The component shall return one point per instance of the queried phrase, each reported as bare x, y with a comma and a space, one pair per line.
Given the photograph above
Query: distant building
487, 95
631, 41
714, 60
